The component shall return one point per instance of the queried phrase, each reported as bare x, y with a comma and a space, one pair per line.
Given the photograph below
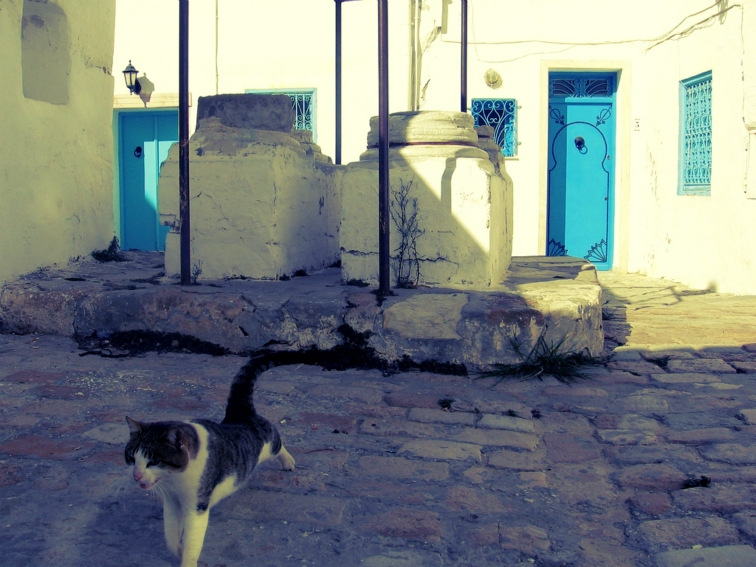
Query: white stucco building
631, 126
56, 147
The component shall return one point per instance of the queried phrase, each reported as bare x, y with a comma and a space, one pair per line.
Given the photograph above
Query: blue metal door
580, 166
145, 138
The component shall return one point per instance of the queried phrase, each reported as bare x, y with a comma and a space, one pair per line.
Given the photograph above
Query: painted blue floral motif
556, 115
556, 248
603, 117
597, 253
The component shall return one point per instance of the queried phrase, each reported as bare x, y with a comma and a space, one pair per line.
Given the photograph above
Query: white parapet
264, 203
462, 235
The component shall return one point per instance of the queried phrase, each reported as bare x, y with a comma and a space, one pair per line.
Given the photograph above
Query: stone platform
558, 299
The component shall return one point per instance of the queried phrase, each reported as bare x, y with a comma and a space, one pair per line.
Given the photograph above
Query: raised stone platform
557, 298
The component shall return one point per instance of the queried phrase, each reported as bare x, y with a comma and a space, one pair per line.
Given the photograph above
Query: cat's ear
176, 437
134, 426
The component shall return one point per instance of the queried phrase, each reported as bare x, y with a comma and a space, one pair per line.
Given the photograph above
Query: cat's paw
176, 548
286, 460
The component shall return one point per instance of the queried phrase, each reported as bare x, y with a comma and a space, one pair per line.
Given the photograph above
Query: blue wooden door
581, 171
145, 138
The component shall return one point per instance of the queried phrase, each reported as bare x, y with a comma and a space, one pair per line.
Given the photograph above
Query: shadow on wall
45, 53
148, 87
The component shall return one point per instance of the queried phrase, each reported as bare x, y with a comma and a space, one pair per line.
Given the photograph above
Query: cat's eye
152, 464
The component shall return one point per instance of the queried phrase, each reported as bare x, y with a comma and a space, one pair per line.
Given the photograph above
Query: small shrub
111, 254
543, 360
196, 271
404, 214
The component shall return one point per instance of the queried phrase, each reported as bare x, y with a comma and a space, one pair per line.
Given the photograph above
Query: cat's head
157, 450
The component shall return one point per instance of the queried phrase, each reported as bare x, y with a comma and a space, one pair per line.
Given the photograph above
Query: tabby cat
197, 463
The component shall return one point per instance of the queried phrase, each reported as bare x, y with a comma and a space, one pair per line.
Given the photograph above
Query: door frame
118, 194
620, 215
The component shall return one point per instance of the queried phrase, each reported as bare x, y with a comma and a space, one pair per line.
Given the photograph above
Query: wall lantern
130, 76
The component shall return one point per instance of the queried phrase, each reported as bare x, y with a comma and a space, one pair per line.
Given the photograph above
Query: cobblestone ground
647, 461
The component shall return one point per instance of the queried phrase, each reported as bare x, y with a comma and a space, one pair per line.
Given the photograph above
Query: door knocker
138, 152
580, 145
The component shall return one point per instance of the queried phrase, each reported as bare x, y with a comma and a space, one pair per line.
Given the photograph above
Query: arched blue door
581, 166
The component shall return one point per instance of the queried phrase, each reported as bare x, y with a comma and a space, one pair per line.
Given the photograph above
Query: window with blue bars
501, 114
303, 105
695, 135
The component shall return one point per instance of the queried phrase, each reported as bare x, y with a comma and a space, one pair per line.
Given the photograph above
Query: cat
197, 463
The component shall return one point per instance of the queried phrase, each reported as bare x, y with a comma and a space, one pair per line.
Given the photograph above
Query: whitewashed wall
700, 241
56, 148
706, 241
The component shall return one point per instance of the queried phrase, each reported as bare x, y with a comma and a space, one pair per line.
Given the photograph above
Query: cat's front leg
195, 526
172, 524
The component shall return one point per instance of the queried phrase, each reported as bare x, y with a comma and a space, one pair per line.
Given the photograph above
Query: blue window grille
501, 114
695, 135
587, 86
303, 105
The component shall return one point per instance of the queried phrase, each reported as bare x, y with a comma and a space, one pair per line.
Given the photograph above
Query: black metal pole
186, 251
463, 73
384, 271
338, 81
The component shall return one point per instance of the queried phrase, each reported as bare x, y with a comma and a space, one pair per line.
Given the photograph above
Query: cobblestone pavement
649, 460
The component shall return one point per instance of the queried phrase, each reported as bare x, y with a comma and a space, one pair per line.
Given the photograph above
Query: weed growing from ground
196, 271
111, 254
543, 359
404, 214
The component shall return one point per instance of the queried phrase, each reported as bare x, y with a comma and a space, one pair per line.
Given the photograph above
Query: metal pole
463, 73
384, 271
186, 260
338, 81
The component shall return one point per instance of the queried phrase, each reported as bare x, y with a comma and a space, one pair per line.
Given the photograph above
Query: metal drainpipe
413, 56
384, 272
184, 219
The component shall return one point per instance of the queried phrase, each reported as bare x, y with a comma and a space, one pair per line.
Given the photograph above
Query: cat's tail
240, 407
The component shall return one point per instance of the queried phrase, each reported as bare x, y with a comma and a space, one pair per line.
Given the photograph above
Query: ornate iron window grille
303, 105
501, 114
581, 87
695, 159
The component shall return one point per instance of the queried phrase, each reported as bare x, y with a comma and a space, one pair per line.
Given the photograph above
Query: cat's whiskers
162, 490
